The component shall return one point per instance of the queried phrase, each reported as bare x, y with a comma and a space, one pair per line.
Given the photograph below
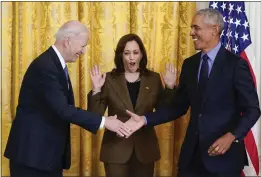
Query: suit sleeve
98, 103
247, 99
52, 93
178, 107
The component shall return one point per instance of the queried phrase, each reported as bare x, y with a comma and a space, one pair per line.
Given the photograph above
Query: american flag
236, 38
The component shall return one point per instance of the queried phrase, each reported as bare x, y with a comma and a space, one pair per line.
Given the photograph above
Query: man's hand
221, 145
135, 122
97, 78
115, 125
170, 76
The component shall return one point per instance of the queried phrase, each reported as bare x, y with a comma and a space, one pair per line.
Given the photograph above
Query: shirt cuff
102, 123
145, 120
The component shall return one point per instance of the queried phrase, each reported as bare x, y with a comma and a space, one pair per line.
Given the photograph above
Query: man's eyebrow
194, 26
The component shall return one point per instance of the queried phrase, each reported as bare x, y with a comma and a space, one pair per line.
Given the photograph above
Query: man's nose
83, 50
191, 32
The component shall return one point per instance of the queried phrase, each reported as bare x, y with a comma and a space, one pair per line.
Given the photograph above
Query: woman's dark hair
118, 59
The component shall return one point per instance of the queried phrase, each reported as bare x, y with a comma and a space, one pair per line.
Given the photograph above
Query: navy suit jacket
230, 104
40, 132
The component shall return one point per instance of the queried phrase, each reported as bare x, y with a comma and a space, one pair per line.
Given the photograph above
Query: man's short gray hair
63, 33
69, 29
213, 17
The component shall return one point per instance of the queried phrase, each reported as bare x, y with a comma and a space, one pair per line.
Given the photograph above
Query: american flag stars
236, 33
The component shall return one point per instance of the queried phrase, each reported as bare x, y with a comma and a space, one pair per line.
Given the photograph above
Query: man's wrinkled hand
221, 145
115, 125
135, 122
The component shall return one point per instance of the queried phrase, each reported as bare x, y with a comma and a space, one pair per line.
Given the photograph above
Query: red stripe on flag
249, 140
252, 150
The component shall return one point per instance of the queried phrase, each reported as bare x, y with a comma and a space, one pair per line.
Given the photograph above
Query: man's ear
67, 41
215, 30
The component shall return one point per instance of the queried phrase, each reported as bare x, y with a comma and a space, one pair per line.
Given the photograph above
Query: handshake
125, 129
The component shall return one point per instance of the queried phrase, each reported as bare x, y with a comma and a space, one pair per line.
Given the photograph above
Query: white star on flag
223, 6
246, 24
244, 37
238, 9
231, 7
214, 5
235, 48
228, 46
231, 21
224, 19
222, 34
236, 35
229, 34
237, 22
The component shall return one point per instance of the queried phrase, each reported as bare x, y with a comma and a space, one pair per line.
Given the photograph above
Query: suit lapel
194, 73
62, 76
58, 64
143, 91
70, 96
119, 85
215, 73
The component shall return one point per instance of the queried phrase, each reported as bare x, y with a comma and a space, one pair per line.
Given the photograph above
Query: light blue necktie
66, 73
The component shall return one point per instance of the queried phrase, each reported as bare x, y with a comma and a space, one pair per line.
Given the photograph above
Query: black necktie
203, 77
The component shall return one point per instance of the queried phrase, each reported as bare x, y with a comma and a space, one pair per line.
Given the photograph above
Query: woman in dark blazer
130, 86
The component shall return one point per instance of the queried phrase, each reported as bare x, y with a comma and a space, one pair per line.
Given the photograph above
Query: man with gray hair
39, 140
219, 88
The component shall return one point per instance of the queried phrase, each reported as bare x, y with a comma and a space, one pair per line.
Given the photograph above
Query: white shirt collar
59, 56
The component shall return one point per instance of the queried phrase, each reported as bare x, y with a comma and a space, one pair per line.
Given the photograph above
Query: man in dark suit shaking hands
219, 88
39, 140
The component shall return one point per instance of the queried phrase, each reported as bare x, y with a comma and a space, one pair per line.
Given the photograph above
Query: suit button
199, 115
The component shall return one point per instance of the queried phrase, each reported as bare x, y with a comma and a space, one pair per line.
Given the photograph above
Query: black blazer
40, 132
230, 92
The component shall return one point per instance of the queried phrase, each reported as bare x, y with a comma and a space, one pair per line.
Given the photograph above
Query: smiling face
205, 36
131, 56
75, 46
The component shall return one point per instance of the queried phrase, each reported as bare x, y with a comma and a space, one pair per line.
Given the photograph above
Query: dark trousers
20, 170
197, 168
133, 168
193, 172
190, 173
